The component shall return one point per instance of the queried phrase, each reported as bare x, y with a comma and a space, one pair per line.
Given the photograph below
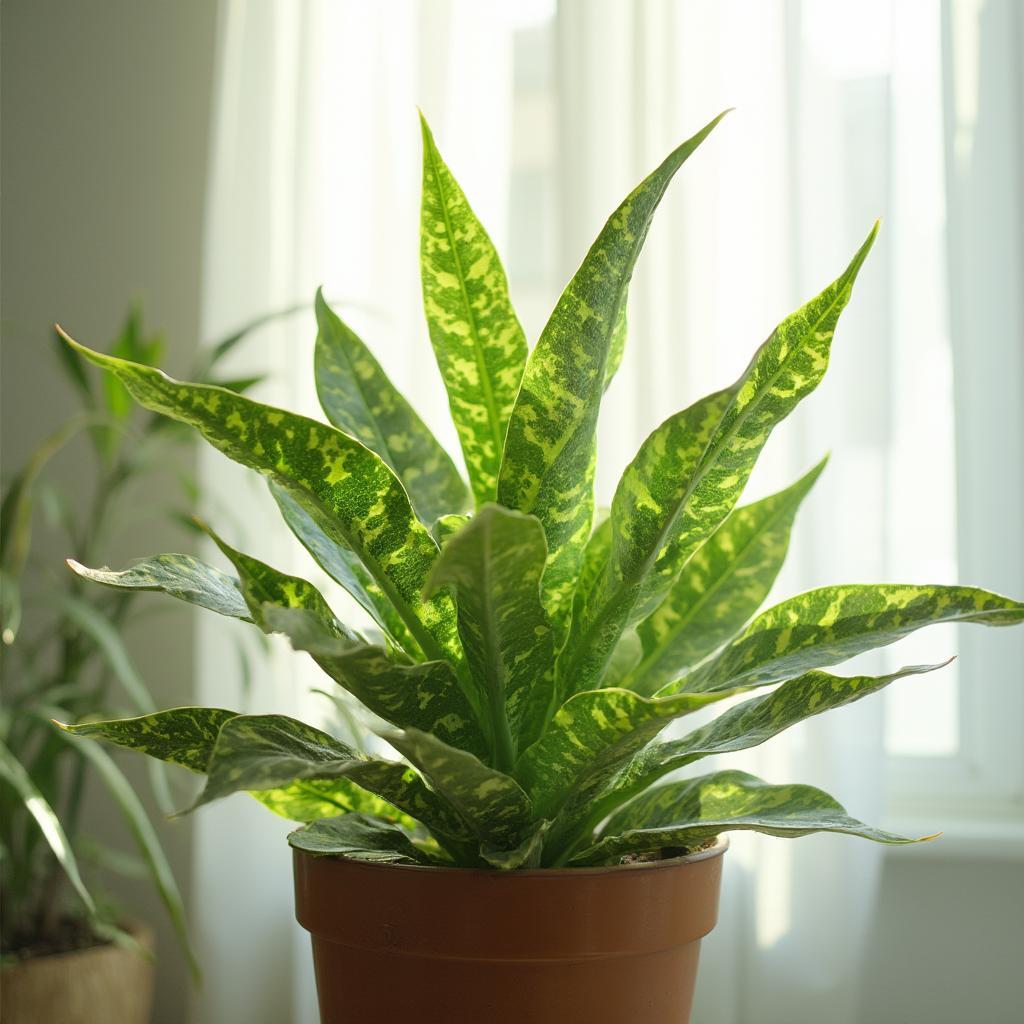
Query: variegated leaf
746, 725
828, 625
479, 344
255, 752
348, 490
548, 463
358, 397
357, 837
447, 526
686, 814
424, 696
494, 566
668, 503
617, 346
182, 576
343, 566
591, 734
311, 799
722, 586
491, 803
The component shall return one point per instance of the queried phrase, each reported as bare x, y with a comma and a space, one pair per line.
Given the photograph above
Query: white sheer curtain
315, 180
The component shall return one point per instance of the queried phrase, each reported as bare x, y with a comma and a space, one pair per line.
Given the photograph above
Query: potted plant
529, 855
70, 952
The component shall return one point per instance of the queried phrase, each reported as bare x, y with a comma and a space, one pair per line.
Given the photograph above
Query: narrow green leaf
147, 842
677, 491
347, 489
525, 856
722, 586
343, 566
590, 735
256, 752
181, 576
686, 814
494, 566
746, 725
491, 803
477, 339
617, 346
357, 837
548, 462
425, 696
826, 626
46, 818
358, 398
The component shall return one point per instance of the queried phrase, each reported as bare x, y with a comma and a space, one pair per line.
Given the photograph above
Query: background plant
529, 654
64, 656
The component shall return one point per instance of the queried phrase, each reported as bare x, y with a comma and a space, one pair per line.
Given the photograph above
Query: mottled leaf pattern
344, 567
686, 814
423, 696
182, 576
358, 837
493, 567
725, 581
492, 804
548, 463
828, 625
358, 397
311, 799
479, 344
348, 489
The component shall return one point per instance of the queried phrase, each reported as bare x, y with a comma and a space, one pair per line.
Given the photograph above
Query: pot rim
720, 846
141, 931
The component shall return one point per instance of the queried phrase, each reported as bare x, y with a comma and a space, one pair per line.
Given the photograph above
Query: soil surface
666, 853
70, 935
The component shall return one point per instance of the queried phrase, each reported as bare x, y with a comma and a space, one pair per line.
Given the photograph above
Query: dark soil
70, 935
666, 853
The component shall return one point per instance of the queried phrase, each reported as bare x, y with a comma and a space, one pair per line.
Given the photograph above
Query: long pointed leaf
181, 576
347, 489
686, 814
826, 626
477, 339
494, 565
721, 587
548, 463
667, 504
358, 398
311, 799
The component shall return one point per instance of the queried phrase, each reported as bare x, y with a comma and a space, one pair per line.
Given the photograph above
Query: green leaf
477, 339
343, 566
347, 489
686, 814
691, 470
548, 462
525, 856
358, 397
721, 587
746, 725
447, 526
491, 803
357, 837
494, 566
45, 817
147, 842
311, 799
426, 696
255, 752
829, 625
182, 576
593, 733
617, 346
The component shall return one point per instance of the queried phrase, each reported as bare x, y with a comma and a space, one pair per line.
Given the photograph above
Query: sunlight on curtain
549, 114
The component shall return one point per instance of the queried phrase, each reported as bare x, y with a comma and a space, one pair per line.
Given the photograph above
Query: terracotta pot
456, 946
99, 985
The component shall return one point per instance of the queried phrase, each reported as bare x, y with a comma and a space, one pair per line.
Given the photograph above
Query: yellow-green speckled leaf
668, 502
493, 566
254, 752
743, 726
479, 344
828, 625
358, 398
358, 837
312, 799
721, 587
491, 803
686, 814
350, 492
548, 464
426, 695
